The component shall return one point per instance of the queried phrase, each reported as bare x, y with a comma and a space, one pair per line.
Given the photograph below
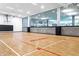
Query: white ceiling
25, 9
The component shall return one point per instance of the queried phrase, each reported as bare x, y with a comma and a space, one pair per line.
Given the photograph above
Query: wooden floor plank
27, 43
5, 51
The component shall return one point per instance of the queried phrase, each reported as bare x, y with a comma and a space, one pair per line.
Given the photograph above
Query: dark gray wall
43, 30
72, 31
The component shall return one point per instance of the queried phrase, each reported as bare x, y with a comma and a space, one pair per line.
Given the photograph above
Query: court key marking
48, 51
38, 39
45, 47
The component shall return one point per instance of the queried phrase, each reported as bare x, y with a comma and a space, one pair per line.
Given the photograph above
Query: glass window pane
70, 15
25, 22
76, 20
66, 20
47, 18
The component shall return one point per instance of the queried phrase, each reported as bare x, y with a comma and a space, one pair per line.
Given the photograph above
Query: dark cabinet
58, 30
6, 27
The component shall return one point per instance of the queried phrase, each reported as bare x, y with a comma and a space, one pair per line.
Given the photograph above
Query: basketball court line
30, 53
29, 44
39, 39
10, 48
49, 51
53, 43
44, 47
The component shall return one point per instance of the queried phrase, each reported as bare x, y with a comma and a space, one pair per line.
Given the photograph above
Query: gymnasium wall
15, 21
46, 30
24, 24
70, 31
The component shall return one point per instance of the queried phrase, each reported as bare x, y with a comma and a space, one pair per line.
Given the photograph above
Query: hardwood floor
33, 44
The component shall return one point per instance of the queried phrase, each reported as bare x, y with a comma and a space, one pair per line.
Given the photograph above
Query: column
28, 21
58, 27
73, 20
58, 17
28, 26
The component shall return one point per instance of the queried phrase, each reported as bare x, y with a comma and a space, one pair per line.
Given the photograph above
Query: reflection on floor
33, 44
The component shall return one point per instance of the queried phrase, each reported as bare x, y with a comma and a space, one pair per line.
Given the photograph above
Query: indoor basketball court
32, 44
39, 29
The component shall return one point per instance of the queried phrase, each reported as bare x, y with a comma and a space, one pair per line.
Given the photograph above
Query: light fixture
67, 10
44, 18
10, 7
42, 6
28, 12
51, 20
72, 13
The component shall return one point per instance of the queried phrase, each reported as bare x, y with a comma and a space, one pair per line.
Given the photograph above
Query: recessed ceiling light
34, 4
28, 12
44, 18
72, 13
67, 10
51, 20
10, 7
42, 6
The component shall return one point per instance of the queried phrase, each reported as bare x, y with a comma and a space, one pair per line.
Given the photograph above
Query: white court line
30, 53
45, 47
10, 48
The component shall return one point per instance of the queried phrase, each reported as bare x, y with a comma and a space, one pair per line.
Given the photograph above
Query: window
65, 20
47, 18
76, 20
25, 22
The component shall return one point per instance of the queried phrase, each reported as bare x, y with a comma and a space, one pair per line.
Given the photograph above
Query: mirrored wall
65, 20
70, 15
45, 19
77, 20
24, 24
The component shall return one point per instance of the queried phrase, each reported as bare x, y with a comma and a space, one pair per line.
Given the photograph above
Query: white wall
2, 19
17, 24
15, 21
